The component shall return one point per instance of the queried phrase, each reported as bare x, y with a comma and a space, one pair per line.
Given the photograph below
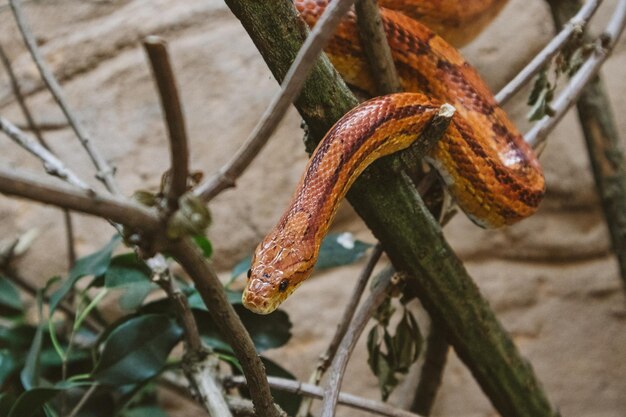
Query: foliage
47, 367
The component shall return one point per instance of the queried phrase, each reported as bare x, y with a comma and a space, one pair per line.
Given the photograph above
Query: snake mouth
257, 303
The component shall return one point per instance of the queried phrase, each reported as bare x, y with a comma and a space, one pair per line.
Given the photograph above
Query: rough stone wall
551, 279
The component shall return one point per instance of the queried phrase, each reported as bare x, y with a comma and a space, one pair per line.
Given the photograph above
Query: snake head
275, 273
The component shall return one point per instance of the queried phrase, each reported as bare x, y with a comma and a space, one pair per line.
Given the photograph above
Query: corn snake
483, 160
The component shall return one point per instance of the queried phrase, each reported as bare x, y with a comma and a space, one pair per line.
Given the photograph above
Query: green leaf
9, 296
339, 249
31, 401
204, 244
95, 264
124, 270
137, 349
30, 374
133, 276
267, 332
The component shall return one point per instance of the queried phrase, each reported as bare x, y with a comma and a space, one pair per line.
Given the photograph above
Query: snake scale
493, 175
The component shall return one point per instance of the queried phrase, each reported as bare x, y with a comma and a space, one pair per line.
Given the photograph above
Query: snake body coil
488, 168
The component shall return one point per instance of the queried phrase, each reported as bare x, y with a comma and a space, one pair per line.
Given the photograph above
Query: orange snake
491, 172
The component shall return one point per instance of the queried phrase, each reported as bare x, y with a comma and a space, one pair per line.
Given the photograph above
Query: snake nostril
249, 273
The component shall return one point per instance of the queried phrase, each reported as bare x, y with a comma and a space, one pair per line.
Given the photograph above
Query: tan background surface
551, 279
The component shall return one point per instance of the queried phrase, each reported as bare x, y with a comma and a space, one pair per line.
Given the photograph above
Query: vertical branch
376, 47
603, 145
156, 48
432, 371
105, 172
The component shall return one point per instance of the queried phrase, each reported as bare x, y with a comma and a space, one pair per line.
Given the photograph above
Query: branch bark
411, 237
227, 322
176, 185
603, 145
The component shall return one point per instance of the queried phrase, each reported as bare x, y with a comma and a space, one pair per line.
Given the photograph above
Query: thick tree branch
156, 49
412, 239
376, 47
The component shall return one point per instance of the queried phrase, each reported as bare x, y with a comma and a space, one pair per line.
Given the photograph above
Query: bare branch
51, 163
227, 322
24, 184
603, 48
34, 127
203, 375
326, 358
156, 48
309, 390
105, 172
383, 286
376, 47
20, 99
575, 25
290, 88
86, 396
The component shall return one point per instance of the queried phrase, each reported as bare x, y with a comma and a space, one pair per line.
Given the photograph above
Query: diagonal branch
105, 172
567, 98
575, 25
290, 88
51, 163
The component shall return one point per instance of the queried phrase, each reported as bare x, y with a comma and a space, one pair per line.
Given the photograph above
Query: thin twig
21, 183
603, 48
156, 49
575, 25
290, 88
301, 388
383, 286
52, 164
326, 358
86, 396
105, 171
606, 153
376, 47
228, 323
34, 127
19, 97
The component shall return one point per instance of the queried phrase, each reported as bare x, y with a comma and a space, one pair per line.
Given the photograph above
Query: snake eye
249, 273
283, 285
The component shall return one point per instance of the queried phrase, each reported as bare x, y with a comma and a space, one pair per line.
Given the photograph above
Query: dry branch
105, 172
290, 88
313, 391
156, 48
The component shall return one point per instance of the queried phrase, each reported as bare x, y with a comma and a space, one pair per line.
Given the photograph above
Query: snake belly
490, 171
